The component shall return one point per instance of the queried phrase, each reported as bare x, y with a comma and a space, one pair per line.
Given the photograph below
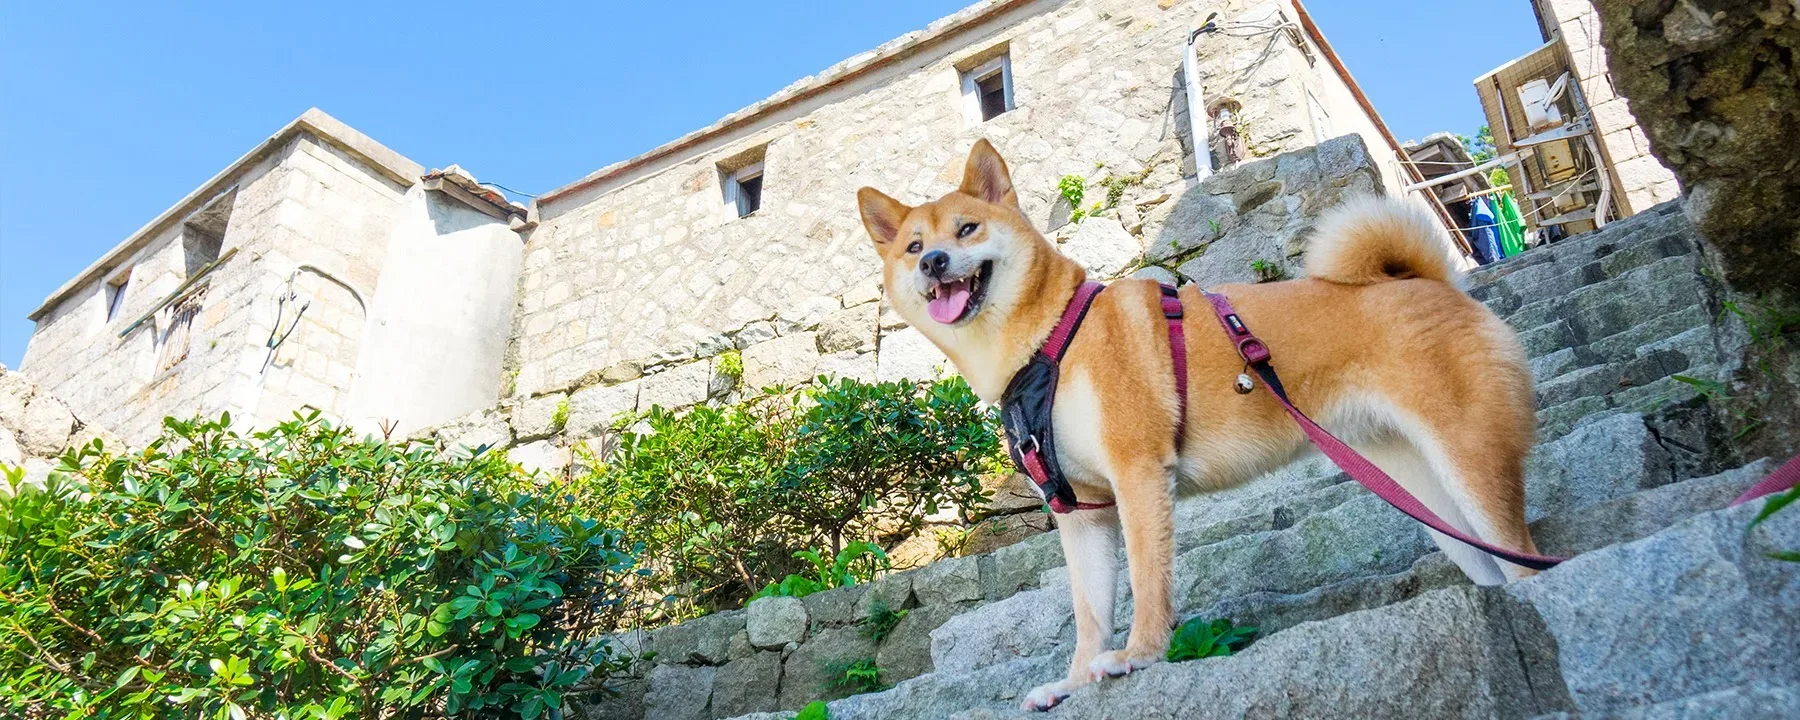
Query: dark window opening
749, 194
992, 91
115, 296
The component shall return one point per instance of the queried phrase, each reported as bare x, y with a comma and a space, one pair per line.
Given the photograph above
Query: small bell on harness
1244, 384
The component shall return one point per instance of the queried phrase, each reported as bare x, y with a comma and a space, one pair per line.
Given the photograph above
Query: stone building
1558, 102
325, 271
321, 271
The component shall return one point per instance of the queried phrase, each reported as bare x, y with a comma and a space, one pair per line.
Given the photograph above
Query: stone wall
314, 231
644, 265
1639, 179
1715, 84
35, 427
307, 204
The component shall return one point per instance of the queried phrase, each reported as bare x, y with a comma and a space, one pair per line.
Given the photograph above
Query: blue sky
109, 113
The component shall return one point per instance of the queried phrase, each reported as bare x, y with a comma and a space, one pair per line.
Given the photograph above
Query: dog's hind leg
1090, 541
1485, 477
1406, 465
1145, 493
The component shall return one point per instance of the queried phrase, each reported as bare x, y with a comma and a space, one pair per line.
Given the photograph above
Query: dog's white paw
1116, 663
1046, 696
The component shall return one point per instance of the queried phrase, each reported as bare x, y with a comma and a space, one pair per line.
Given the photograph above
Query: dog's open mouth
957, 300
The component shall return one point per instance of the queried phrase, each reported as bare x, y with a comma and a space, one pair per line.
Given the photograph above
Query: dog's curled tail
1375, 239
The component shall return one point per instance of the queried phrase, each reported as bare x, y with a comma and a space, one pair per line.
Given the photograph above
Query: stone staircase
1671, 610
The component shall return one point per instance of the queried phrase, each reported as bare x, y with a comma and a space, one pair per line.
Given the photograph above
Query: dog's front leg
1090, 541
1147, 513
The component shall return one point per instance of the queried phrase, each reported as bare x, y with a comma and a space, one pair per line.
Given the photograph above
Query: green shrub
857, 561
729, 500
872, 461
299, 573
1199, 638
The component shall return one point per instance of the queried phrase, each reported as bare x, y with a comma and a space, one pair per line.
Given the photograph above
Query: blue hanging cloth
1483, 239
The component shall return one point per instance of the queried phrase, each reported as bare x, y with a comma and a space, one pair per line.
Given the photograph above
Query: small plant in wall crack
858, 676
881, 621
1267, 271
730, 364
1198, 638
1073, 188
559, 418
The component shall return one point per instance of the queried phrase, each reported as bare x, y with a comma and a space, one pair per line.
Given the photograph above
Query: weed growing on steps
859, 676
1198, 638
881, 621
814, 710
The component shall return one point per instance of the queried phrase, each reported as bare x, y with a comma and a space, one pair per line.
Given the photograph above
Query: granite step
1593, 636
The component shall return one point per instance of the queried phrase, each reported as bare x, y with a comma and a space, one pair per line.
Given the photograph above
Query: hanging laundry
1512, 226
1484, 241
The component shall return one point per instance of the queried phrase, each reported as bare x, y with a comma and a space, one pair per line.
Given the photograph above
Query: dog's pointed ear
881, 215
985, 176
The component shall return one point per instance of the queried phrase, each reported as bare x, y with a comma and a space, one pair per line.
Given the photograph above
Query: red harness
1032, 390
1035, 454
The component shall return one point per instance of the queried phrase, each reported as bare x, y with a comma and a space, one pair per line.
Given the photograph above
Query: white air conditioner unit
1539, 98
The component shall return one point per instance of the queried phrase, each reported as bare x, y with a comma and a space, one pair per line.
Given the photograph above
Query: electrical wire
510, 190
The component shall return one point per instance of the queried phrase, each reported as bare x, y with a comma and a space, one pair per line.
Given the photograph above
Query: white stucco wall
440, 318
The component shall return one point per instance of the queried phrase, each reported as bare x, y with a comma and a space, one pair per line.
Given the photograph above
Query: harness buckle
1253, 350
1029, 445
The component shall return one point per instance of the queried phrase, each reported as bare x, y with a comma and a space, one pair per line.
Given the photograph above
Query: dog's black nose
934, 262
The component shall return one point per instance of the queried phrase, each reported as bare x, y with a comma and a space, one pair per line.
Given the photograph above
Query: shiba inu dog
1376, 342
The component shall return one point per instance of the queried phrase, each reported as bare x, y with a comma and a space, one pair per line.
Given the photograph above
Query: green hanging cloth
1512, 227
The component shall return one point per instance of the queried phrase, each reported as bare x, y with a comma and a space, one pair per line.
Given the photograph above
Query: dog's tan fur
1376, 343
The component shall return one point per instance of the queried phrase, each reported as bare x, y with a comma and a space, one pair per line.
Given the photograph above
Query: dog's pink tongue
948, 306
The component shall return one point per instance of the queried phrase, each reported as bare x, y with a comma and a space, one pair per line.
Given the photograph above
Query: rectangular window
115, 295
172, 342
988, 88
749, 182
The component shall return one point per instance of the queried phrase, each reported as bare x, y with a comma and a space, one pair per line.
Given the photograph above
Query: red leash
1256, 354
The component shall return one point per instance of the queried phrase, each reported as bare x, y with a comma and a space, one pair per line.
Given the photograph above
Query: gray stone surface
1028, 624
1612, 457
1756, 701
806, 674
676, 387
1102, 245
748, 684
680, 692
534, 418
948, 581
908, 355
849, 329
45, 426
705, 640
787, 360
592, 409
776, 621
837, 606
906, 651
1638, 515
1694, 609
1360, 537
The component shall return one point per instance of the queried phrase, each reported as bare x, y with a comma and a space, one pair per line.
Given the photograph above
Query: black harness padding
1026, 405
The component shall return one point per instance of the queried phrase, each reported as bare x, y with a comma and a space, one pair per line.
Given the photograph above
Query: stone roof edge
313, 122
803, 89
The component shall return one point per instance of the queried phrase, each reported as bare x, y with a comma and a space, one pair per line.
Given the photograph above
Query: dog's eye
966, 230
915, 247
